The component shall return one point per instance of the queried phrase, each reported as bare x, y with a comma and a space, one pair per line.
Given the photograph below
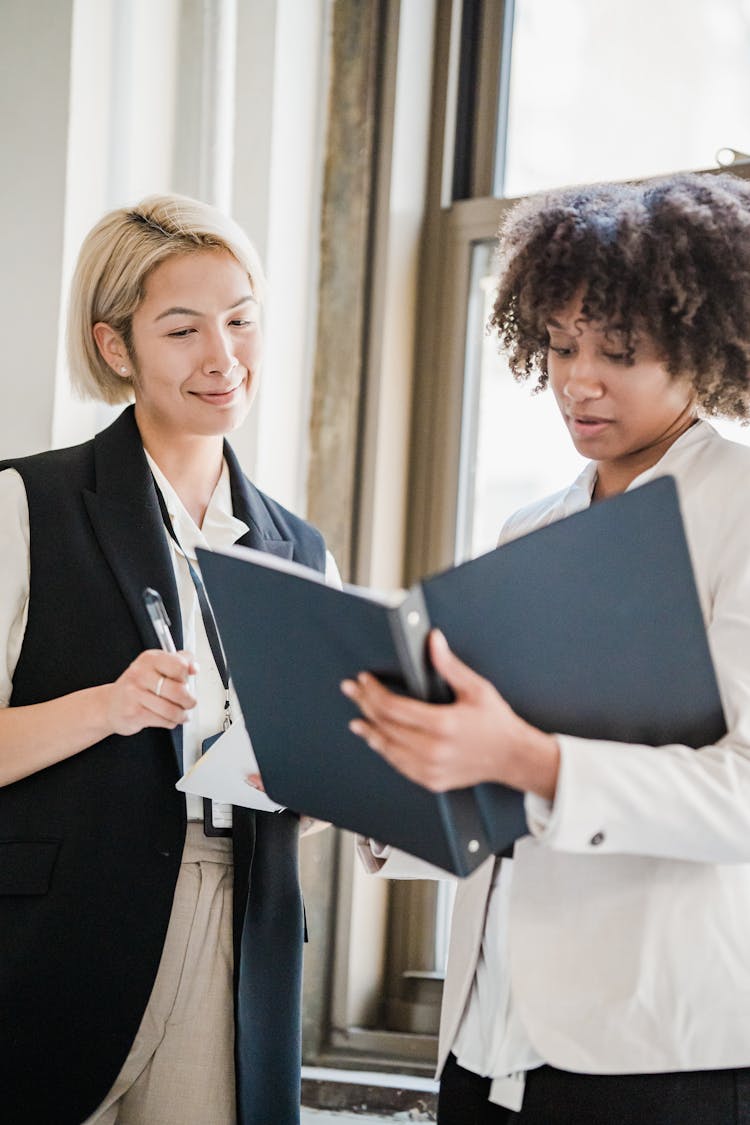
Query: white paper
220, 774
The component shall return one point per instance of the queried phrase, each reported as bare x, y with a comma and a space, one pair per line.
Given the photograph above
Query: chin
226, 425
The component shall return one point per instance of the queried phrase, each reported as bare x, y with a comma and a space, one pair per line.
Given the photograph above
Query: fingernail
356, 726
348, 687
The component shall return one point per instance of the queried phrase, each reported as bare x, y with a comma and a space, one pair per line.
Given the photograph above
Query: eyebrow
551, 322
609, 330
179, 310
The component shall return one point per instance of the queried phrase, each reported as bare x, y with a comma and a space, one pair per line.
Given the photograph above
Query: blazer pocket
26, 866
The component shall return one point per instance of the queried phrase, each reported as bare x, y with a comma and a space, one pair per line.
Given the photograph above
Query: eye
564, 351
181, 333
617, 357
242, 323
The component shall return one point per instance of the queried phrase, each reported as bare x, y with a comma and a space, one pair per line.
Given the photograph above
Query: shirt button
596, 839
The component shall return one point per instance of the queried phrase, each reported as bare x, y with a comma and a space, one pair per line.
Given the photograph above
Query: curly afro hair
669, 258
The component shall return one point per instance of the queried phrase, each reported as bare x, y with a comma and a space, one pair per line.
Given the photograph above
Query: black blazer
90, 848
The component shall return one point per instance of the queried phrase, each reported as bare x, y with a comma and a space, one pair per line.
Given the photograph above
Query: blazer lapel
248, 506
127, 522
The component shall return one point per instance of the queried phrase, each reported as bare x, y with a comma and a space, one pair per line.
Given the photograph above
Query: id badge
217, 816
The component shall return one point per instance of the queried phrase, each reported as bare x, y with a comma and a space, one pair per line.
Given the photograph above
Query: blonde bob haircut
114, 264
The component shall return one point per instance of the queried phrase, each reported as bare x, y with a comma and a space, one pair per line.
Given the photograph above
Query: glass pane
601, 89
514, 446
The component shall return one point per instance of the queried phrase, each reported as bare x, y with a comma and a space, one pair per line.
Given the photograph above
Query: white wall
34, 99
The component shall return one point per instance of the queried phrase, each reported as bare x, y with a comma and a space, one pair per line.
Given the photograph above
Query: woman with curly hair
602, 976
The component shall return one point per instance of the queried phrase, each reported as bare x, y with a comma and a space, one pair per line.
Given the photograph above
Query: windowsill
391, 1052
367, 1091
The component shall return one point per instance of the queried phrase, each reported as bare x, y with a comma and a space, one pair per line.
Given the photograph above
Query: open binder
590, 626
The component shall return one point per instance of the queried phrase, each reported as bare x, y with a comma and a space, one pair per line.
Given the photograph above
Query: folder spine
465, 834
410, 627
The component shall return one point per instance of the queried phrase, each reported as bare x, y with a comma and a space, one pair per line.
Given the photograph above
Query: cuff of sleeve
391, 863
574, 820
372, 854
538, 814
543, 816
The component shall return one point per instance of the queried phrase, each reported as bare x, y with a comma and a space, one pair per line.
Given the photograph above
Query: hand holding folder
626, 660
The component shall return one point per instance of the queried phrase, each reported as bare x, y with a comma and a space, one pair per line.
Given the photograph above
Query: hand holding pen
153, 691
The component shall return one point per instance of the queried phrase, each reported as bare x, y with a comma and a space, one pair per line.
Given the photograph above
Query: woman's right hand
151, 692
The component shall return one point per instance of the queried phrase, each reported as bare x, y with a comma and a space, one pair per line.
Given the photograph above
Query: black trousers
557, 1097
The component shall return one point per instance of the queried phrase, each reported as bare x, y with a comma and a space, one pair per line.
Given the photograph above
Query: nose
582, 380
219, 358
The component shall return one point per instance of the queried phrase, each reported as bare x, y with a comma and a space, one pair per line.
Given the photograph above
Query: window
614, 91
513, 447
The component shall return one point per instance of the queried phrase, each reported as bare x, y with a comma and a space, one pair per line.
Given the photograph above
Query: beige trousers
180, 1070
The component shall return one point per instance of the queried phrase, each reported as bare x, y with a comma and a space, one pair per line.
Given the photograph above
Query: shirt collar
220, 527
578, 495
701, 431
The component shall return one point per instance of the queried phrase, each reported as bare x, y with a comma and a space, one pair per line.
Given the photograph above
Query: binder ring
159, 686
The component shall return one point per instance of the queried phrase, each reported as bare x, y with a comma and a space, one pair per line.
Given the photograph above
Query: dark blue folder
590, 626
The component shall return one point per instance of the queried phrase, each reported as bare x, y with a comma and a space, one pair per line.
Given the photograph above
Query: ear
112, 349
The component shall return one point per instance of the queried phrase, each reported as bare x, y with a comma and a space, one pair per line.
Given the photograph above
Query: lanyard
209, 622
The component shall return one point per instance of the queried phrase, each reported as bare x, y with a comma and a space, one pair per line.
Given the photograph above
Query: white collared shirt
220, 529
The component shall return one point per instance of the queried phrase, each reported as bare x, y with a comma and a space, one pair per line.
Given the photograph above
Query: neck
613, 477
192, 464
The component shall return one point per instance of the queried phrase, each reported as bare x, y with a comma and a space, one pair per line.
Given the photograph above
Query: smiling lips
218, 397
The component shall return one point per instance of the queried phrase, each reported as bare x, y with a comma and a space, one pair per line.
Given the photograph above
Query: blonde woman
149, 961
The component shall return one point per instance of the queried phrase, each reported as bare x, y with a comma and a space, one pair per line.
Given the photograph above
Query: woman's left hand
476, 738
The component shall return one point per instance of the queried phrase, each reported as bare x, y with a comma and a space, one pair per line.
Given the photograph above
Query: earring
123, 370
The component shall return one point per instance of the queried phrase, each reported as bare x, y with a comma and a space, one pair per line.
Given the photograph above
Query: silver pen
159, 619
